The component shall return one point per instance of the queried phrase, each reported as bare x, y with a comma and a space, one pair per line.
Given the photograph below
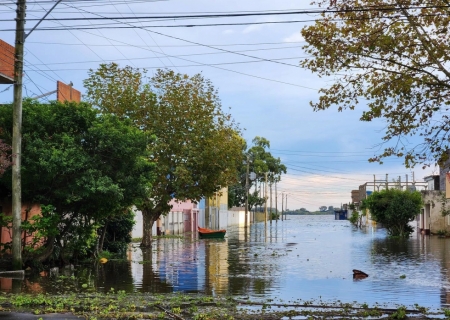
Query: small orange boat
204, 233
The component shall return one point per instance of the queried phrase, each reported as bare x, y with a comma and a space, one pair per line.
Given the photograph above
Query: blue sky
326, 152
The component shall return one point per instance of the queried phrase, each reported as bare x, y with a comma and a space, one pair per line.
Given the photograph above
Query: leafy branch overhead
389, 57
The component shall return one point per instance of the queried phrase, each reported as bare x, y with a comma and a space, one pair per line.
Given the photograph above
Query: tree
117, 234
392, 56
260, 162
5, 156
394, 208
323, 208
197, 146
85, 167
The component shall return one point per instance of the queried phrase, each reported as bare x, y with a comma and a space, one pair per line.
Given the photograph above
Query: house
28, 211
183, 217
430, 220
186, 216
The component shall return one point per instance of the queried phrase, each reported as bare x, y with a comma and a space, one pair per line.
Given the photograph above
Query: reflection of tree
393, 248
239, 256
114, 274
150, 280
238, 266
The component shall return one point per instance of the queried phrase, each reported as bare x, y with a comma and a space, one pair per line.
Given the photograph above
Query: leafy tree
117, 232
5, 156
88, 167
392, 56
394, 208
260, 162
197, 148
323, 208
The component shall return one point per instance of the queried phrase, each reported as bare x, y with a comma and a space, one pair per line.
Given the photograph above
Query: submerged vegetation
182, 306
394, 209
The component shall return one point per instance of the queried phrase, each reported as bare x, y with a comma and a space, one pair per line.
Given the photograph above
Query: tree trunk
48, 250
102, 238
147, 222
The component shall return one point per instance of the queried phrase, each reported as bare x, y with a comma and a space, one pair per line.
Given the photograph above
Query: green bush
394, 208
354, 218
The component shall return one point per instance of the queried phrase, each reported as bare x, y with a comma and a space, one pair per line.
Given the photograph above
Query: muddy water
305, 257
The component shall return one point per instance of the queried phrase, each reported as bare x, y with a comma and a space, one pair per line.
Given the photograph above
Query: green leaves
5, 156
260, 162
394, 60
394, 208
87, 166
197, 146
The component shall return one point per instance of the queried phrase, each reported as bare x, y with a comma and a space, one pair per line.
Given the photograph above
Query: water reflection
304, 257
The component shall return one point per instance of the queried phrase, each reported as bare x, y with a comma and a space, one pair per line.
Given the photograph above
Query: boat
204, 233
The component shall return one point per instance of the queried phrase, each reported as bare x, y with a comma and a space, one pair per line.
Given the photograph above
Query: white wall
137, 231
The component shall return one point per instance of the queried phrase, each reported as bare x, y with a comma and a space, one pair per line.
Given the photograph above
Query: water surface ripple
304, 257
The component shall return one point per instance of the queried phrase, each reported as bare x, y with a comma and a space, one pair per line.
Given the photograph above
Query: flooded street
306, 257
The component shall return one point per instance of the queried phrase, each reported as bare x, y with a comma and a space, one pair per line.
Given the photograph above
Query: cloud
295, 37
228, 31
253, 28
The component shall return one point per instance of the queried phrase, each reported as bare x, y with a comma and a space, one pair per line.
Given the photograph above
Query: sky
254, 65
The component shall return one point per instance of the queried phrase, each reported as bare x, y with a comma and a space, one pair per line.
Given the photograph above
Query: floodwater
305, 257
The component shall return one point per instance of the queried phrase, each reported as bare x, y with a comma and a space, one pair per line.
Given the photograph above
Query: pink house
28, 210
183, 217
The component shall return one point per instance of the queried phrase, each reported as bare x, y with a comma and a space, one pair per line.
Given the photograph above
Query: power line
234, 15
212, 66
167, 46
114, 25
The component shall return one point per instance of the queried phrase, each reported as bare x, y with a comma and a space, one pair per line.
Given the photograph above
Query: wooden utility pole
276, 200
17, 138
285, 212
246, 191
265, 198
270, 184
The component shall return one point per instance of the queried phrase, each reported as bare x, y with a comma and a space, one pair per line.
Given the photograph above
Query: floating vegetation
181, 306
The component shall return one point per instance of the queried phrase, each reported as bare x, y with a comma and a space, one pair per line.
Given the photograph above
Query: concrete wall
430, 220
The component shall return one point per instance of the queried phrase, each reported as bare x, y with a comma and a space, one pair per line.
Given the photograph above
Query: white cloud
253, 28
295, 37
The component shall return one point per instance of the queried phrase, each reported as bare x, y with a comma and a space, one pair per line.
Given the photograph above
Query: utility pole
246, 192
265, 198
16, 247
17, 138
285, 212
270, 184
276, 200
